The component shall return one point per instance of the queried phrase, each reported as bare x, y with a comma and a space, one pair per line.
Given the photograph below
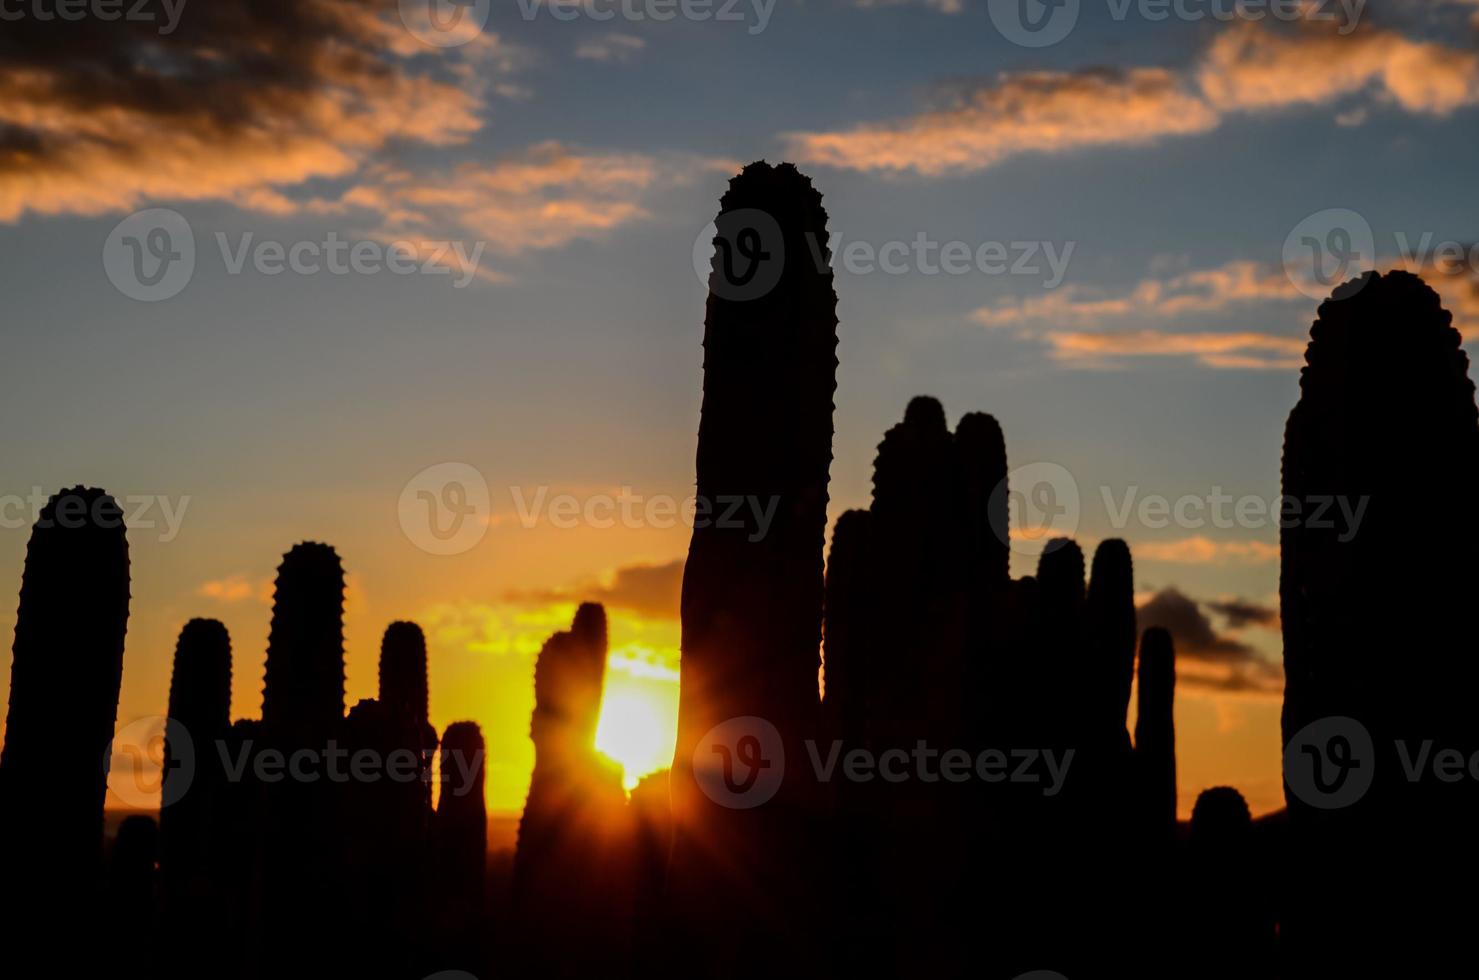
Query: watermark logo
134, 11
444, 509
1328, 248
739, 764
741, 255
1330, 763
445, 23
136, 762
1042, 505
1034, 23
150, 255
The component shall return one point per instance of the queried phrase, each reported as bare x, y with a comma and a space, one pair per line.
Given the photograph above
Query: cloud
651, 591
1245, 350
543, 197
1244, 612
1248, 68
613, 47
1190, 628
1201, 550
236, 104
1038, 112
236, 588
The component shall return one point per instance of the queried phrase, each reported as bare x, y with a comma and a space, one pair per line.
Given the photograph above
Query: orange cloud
1201, 550
236, 588
234, 106
1249, 67
1040, 112
1199, 291
1243, 350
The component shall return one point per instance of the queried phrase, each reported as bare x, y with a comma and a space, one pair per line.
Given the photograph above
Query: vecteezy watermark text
151, 255
134, 11
755, 13
1042, 23
136, 511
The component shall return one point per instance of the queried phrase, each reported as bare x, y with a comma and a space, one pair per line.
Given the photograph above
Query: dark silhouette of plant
303, 696
1155, 738
1386, 420
132, 893
385, 842
68, 651
404, 688
200, 710
461, 841
574, 822
851, 604
752, 595
1227, 881
302, 712
193, 834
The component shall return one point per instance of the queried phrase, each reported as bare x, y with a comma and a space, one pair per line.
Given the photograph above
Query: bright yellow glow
639, 719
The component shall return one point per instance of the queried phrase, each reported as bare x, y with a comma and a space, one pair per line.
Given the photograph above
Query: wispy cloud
621, 48
103, 117
1202, 550
1248, 68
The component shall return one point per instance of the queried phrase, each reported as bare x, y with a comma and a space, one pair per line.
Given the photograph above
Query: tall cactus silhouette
574, 822
192, 830
304, 691
752, 591
303, 712
68, 651
1386, 420
1155, 737
385, 842
848, 642
461, 848
405, 690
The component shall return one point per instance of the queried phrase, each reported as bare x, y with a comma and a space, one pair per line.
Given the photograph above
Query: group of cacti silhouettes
919, 635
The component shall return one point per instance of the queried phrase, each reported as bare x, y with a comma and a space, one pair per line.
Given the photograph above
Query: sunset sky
586, 157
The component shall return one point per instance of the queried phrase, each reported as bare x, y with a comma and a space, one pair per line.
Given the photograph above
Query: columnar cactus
384, 839
461, 849
461, 815
302, 712
304, 691
200, 713
980, 477
753, 589
404, 688
1384, 440
573, 826
1155, 738
68, 651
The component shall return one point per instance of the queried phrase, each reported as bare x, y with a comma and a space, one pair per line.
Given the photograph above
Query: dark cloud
1242, 612
653, 591
1190, 627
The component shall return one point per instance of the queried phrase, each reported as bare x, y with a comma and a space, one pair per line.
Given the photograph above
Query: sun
639, 724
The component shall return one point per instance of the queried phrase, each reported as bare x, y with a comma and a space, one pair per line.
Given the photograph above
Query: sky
1114, 242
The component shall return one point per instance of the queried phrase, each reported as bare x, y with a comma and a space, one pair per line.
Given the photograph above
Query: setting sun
639, 723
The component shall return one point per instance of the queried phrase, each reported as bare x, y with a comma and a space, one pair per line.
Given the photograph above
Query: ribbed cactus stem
1109, 616
200, 714
461, 815
848, 637
65, 674
403, 683
981, 474
304, 690
1155, 735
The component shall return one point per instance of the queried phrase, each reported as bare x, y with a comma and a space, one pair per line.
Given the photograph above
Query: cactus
200, 708
1155, 738
461, 815
302, 711
1386, 422
132, 882
69, 634
461, 850
404, 688
980, 478
303, 696
752, 598
574, 822
384, 841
